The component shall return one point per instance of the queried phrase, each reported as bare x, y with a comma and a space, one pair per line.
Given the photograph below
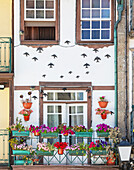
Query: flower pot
36, 133
60, 151
102, 134
26, 118
22, 162
27, 105
83, 134
45, 153
104, 116
66, 134
77, 153
103, 104
21, 152
50, 135
20, 133
110, 161
99, 152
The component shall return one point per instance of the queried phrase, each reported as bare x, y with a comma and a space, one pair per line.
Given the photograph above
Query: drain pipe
120, 9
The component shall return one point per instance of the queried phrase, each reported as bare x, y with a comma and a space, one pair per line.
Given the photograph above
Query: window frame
78, 26
40, 42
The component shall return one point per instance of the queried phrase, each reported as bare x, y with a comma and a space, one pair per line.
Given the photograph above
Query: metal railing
5, 54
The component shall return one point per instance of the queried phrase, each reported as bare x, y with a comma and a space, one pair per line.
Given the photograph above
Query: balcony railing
5, 54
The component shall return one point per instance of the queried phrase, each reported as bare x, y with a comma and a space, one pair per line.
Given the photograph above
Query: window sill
39, 42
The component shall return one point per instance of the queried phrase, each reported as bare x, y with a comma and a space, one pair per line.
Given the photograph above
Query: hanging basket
45, 153
83, 134
104, 116
27, 105
26, 118
60, 151
102, 134
77, 153
50, 135
103, 104
21, 152
21, 133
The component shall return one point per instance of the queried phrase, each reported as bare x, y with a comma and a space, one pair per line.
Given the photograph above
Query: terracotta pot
27, 105
104, 116
66, 134
36, 133
26, 118
110, 161
60, 151
103, 104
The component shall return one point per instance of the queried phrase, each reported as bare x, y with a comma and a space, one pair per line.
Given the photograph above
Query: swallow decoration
61, 76
54, 56
83, 55
107, 55
86, 65
45, 94
95, 50
35, 58
77, 77
67, 42
34, 97
88, 90
51, 65
87, 72
44, 75
70, 72
40, 49
64, 89
97, 59
26, 54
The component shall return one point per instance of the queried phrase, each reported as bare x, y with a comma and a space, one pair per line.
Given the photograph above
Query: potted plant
60, 146
78, 149
102, 112
18, 129
102, 102
26, 113
34, 129
65, 130
27, 103
102, 130
81, 131
45, 149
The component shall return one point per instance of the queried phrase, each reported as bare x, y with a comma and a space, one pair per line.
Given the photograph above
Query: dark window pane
50, 109
105, 34
80, 109
95, 3
29, 14
64, 96
95, 34
40, 4
105, 24
95, 24
85, 24
49, 4
39, 14
85, 34
75, 120
72, 110
85, 13
95, 13
30, 4
105, 4
105, 13
85, 3
49, 14
80, 96
50, 96
54, 120
58, 109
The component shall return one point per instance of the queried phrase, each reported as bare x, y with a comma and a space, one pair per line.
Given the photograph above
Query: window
95, 20
39, 21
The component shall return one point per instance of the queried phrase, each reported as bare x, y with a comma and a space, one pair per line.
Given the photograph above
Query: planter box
22, 133
77, 153
21, 162
103, 152
49, 135
46, 153
102, 134
83, 134
21, 152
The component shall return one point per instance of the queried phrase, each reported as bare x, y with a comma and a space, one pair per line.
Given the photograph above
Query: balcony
5, 55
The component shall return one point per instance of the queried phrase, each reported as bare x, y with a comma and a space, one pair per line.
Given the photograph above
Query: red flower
61, 145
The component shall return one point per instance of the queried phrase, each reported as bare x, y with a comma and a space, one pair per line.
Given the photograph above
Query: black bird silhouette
88, 90
34, 97
67, 42
44, 75
84, 55
87, 72
111, 112
95, 50
77, 77
107, 55
86, 65
40, 49
61, 76
35, 58
54, 56
97, 59
45, 94
26, 54
51, 65
70, 72
64, 89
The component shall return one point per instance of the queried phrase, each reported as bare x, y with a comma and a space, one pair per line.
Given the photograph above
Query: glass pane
105, 34
85, 3
29, 3
58, 109
39, 14
29, 14
64, 96
85, 13
105, 24
95, 13
80, 96
95, 3
85, 24
96, 34
79, 109
105, 13
50, 96
72, 109
95, 24
49, 4
105, 4
49, 14
75, 120
85, 34
54, 120
40, 4
50, 109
